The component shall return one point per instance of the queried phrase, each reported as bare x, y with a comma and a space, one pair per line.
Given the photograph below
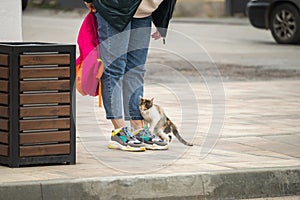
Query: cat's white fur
153, 116
158, 122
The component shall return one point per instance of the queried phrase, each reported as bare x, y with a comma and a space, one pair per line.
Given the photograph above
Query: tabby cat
159, 124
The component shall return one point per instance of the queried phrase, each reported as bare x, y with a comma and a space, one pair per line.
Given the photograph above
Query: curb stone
215, 185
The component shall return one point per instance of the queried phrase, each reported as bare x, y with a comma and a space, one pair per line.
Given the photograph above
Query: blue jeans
124, 55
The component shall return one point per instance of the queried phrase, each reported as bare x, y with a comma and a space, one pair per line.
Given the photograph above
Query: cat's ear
152, 100
141, 99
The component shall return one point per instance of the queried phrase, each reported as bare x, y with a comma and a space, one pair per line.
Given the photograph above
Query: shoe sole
156, 147
116, 145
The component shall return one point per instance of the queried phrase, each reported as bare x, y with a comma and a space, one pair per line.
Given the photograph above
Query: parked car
282, 17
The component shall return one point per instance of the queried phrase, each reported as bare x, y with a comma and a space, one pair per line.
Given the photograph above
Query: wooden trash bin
37, 104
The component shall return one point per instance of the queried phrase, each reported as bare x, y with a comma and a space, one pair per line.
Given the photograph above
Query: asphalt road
195, 48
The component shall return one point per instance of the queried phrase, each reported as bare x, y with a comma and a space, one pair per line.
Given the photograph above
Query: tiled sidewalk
261, 130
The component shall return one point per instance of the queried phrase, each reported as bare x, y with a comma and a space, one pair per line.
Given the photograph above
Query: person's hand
90, 6
156, 35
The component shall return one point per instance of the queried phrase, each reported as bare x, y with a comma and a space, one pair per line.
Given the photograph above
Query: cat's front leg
153, 125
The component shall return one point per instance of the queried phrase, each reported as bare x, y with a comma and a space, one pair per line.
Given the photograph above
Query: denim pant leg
113, 49
133, 82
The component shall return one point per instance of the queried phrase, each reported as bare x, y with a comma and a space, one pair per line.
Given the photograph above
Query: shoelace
128, 133
146, 130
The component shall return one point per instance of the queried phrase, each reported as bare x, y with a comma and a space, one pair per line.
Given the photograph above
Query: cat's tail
176, 133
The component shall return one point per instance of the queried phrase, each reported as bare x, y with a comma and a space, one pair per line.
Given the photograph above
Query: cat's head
145, 103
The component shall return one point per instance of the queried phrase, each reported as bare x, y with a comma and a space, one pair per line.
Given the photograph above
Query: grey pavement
246, 133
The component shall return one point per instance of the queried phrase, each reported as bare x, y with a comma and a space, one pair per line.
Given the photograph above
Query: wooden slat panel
54, 72
3, 111
4, 72
40, 124
43, 137
4, 124
3, 98
44, 85
4, 59
3, 86
50, 59
44, 111
3, 150
63, 97
3, 137
44, 150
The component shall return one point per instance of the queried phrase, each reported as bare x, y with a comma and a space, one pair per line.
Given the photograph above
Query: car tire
285, 24
24, 4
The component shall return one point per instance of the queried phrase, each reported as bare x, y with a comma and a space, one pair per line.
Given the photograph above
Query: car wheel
285, 24
24, 4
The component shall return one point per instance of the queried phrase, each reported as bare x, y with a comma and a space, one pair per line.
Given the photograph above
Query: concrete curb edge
216, 185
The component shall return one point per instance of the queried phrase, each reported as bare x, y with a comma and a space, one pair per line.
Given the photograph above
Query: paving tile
292, 138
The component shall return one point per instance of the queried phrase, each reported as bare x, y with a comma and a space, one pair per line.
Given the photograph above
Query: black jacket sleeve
161, 17
88, 1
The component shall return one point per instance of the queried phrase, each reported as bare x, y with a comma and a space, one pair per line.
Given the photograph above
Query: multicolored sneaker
123, 139
151, 141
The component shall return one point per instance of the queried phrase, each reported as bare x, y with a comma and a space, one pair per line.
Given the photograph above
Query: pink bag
89, 66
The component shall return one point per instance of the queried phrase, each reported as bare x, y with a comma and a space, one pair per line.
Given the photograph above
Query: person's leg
136, 124
118, 123
113, 49
133, 82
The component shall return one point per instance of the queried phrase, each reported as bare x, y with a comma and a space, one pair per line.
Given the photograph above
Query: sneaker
123, 139
151, 141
